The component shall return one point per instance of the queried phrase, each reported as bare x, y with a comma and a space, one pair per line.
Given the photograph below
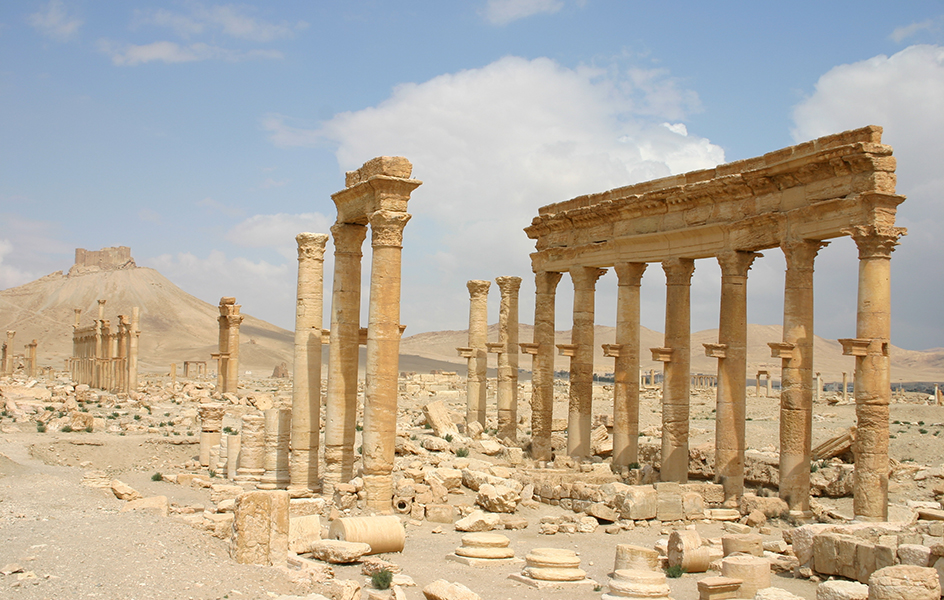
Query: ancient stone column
845, 387
31, 358
99, 346
341, 407
476, 382
306, 373
732, 374
508, 359
278, 433
626, 381
542, 369
796, 375
383, 348
233, 447
8, 354
872, 372
232, 363
252, 449
211, 425
676, 377
133, 336
581, 364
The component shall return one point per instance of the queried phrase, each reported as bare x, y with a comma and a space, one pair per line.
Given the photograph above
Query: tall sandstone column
383, 348
677, 375
872, 377
732, 374
8, 355
476, 382
133, 335
508, 359
306, 374
341, 408
232, 364
581, 365
796, 375
626, 382
542, 370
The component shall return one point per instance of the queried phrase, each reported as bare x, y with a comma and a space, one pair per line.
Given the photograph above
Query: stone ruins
104, 358
793, 199
471, 469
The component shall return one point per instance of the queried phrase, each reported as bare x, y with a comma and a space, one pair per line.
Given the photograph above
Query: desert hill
177, 327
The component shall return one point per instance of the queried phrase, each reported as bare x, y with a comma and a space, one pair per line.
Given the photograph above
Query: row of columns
102, 358
870, 347
227, 371
506, 348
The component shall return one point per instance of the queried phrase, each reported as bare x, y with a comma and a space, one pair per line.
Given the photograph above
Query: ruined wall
106, 259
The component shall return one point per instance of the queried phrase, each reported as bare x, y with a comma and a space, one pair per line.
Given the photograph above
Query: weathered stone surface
444, 590
260, 529
339, 552
632, 557
500, 499
441, 513
838, 589
774, 593
629, 583
157, 504
478, 521
437, 415
123, 491
771, 506
904, 582
639, 503
602, 512
302, 532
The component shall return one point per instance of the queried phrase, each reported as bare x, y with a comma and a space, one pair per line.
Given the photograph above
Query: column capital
736, 263
874, 241
630, 273
678, 271
800, 253
508, 284
311, 246
546, 282
585, 277
478, 287
348, 237
386, 228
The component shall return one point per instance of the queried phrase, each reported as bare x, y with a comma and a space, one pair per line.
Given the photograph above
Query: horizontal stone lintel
782, 350
496, 348
662, 354
567, 349
466, 352
612, 350
863, 346
529, 347
715, 350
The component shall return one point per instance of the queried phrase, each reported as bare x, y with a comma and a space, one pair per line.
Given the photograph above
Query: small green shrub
228, 429
922, 431
137, 417
212, 473
190, 433
359, 427
382, 579
462, 452
167, 414
88, 429
674, 572
49, 408
814, 467
598, 588
40, 428
427, 426
157, 477
360, 449
634, 465
448, 437
66, 429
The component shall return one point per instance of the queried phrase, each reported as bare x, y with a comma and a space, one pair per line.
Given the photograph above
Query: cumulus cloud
231, 20
55, 22
170, 52
904, 94
277, 231
902, 33
502, 12
492, 145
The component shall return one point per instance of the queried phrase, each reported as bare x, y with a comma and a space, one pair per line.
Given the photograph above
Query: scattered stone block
630, 557
478, 521
839, 589
156, 504
774, 593
904, 582
302, 532
753, 571
914, 554
718, 588
440, 513
746, 543
123, 491
602, 512
339, 552
260, 529
638, 503
444, 590
497, 498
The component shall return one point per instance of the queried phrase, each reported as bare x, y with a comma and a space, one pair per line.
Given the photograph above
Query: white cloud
906, 31
171, 52
55, 22
494, 144
502, 12
904, 93
29, 249
277, 231
10, 275
231, 20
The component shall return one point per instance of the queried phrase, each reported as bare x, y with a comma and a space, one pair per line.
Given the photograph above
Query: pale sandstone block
338, 552
302, 532
437, 415
123, 491
478, 521
904, 582
838, 589
639, 503
773, 593
914, 554
752, 570
157, 504
630, 557
261, 527
444, 590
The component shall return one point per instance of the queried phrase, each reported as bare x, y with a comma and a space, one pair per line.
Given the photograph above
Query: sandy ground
74, 543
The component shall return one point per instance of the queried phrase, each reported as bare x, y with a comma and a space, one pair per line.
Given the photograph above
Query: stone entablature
814, 190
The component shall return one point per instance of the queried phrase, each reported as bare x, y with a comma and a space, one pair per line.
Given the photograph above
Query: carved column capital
585, 277
875, 241
387, 228
311, 246
801, 253
508, 284
478, 288
546, 282
736, 263
630, 273
348, 237
678, 271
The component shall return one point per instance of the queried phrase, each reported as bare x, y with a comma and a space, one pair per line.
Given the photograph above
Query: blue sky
205, 136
